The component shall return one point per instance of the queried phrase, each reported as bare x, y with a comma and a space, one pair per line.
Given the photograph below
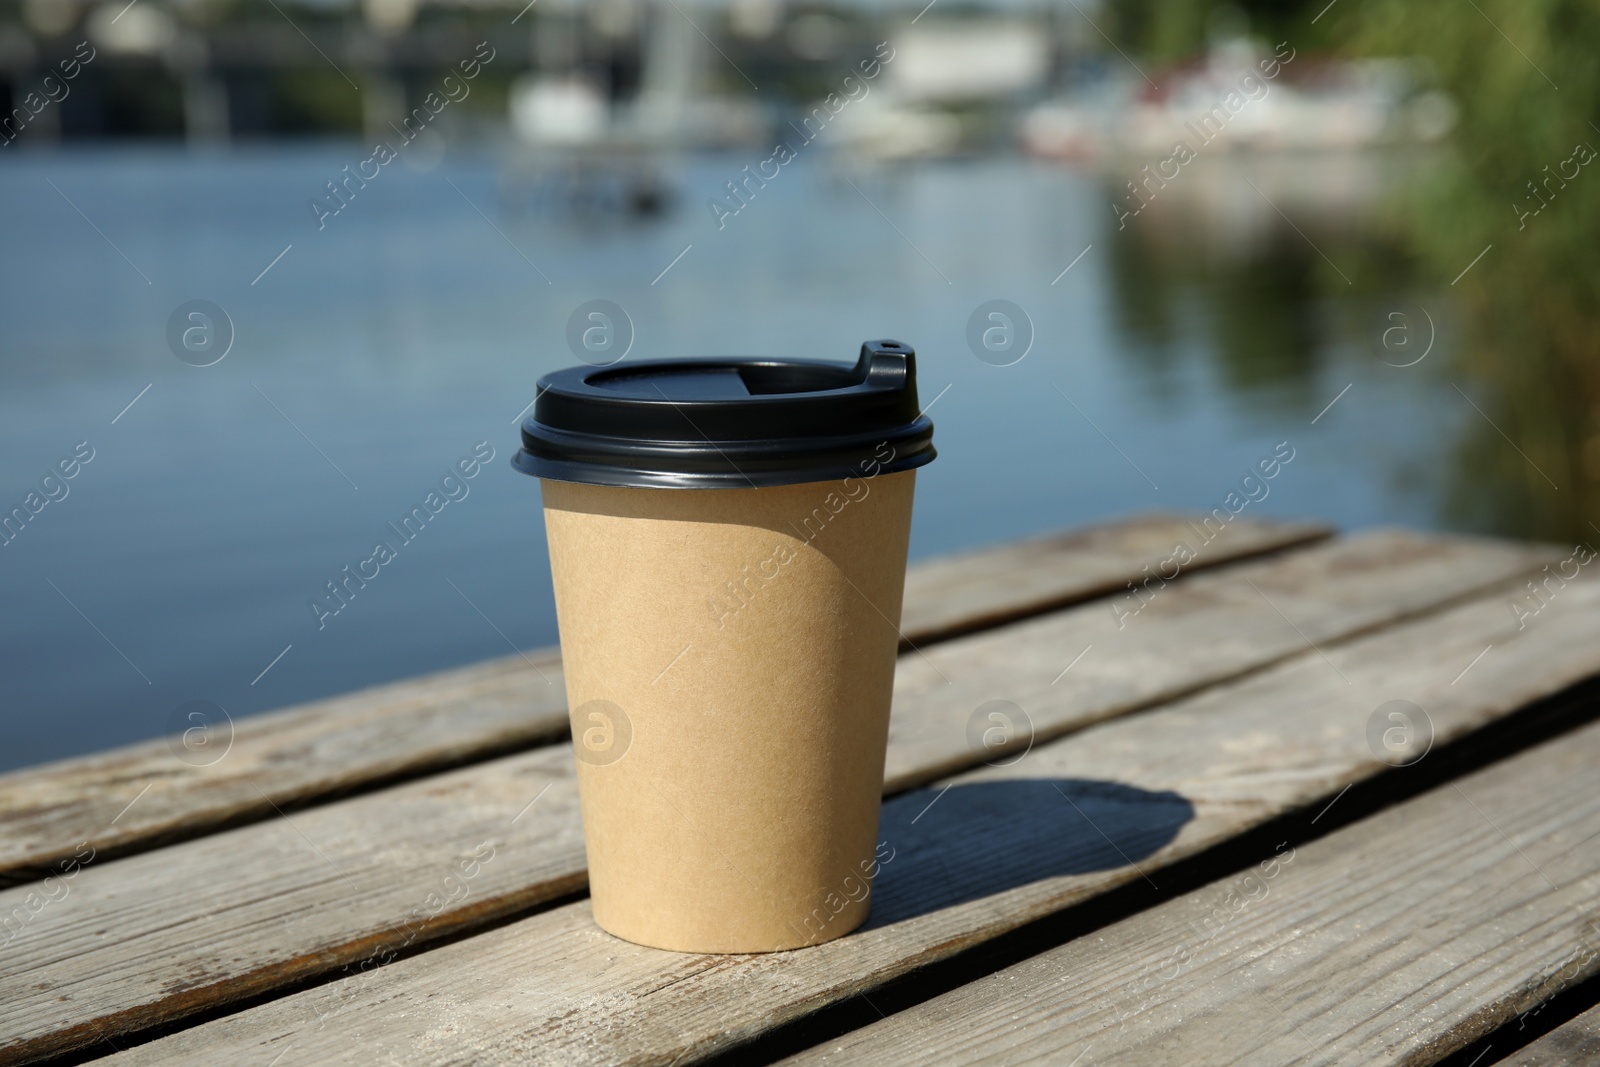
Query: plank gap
266, 810
1519, 1032
907, 782
1500, 741
947, 596
271, 809
1298, 718
1539, 722
1363, 558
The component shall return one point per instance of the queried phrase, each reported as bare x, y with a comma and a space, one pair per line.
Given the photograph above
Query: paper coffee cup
728, 545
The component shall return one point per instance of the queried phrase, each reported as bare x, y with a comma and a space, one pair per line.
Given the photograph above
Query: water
379, 351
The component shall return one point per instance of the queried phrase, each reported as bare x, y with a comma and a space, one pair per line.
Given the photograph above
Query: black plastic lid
728, 423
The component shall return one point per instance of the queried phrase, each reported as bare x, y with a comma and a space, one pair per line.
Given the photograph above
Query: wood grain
141, 796
1396, 940
989, 854
1198, 631
1575, 1043
239, 913
405, 729
971, 591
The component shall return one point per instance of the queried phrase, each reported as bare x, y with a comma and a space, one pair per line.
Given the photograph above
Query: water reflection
1528, 463
1275, 260
1281, 269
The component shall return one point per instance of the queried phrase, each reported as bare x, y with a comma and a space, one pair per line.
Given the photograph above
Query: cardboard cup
729, 657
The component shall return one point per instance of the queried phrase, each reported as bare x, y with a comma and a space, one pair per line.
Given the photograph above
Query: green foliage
1170, 30
1524, 76
1525, 80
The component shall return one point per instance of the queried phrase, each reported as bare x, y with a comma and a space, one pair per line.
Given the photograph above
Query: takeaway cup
728, 544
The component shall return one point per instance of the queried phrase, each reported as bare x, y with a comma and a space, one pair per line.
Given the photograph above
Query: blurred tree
1524, 75
1518, 183
1171, 30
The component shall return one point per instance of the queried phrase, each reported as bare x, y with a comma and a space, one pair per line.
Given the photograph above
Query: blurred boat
1311, 104
578, 150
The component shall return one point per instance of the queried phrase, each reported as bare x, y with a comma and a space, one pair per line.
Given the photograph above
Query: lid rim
618, 477
728, 422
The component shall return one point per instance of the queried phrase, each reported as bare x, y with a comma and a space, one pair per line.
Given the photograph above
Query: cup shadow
984, 838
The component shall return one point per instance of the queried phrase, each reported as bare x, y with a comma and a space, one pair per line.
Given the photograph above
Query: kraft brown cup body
729, 658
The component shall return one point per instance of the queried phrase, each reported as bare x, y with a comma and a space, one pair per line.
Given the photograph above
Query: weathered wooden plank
281, 759
287, 758
194, 926
1575, 1043
999, 848
1396, 940
978, 590
1123, 656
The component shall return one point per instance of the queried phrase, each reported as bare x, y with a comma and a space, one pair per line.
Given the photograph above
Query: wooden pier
1311, 798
